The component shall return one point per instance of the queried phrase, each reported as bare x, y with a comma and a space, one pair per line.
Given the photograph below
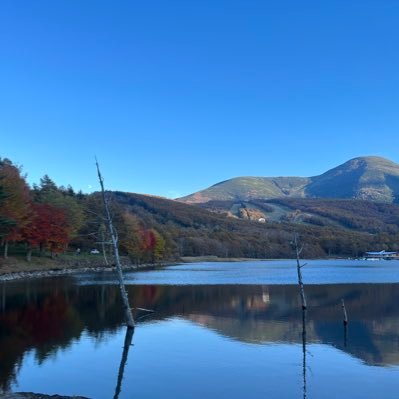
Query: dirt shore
15, 268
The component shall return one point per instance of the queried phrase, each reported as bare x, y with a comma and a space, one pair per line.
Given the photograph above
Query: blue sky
173, 96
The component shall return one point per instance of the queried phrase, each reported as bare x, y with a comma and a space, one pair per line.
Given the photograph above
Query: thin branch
86, 235
144, 310
96, 214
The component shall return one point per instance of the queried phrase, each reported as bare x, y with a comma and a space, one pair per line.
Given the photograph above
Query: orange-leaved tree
16, 204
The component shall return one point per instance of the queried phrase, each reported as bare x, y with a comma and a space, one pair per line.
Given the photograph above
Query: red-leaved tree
48, 229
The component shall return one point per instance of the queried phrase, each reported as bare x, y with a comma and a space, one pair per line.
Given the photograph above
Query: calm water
218, 330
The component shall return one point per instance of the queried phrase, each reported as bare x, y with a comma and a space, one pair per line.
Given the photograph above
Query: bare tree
299, 266
298, 250
114, 240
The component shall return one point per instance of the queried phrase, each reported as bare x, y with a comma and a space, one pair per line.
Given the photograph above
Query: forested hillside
192, 231
367, 216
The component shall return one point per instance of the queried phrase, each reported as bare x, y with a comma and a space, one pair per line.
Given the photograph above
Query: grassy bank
17, 267
17, 264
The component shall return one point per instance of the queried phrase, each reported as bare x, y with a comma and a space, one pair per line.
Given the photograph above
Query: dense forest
367, 216
49, 220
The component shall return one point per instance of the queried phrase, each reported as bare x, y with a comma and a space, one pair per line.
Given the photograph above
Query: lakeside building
382, 255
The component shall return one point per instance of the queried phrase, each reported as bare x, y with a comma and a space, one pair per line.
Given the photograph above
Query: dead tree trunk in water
345, 323
114, 240
345, 314
299, 266
298, 251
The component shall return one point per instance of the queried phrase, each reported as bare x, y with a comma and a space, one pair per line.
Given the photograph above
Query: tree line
47, 219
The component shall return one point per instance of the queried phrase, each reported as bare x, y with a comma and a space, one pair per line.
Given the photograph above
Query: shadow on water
46, 316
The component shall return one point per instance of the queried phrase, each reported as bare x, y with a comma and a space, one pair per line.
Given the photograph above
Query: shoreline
70, 271
17, 269
45, 267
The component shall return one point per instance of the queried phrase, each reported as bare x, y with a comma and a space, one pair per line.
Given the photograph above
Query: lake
215, 330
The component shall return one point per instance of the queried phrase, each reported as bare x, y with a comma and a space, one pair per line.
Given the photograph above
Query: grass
16, 261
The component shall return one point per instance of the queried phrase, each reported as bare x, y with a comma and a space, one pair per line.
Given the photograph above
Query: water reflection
304, 342
125, 354
46, 316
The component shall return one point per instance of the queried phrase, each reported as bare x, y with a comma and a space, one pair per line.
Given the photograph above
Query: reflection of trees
47, 319
46, 315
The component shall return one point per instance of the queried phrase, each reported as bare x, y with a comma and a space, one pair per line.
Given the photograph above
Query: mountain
368, 178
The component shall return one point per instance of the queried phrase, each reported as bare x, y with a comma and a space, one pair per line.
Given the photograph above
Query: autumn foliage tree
159, 247
129, 230
5, 223
47, 192
48, 229
153, 245
141, 244
16, 204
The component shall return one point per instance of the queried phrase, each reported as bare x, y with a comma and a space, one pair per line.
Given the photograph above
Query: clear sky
173, 96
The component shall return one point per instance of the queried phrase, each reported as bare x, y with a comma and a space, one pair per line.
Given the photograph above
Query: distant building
382, 255
262, 220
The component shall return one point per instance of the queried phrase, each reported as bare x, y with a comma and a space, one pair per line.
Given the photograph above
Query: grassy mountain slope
241, 188
370, 178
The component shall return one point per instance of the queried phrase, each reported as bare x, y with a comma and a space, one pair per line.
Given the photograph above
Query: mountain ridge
371, 178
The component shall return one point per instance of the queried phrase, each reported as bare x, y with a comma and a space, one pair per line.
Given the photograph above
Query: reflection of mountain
271, 314
47, 316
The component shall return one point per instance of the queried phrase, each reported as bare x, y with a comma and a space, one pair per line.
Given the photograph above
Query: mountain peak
367, 177
374, 161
